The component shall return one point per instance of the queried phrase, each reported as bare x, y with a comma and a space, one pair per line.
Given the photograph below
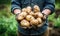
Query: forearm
16, 6
49, 7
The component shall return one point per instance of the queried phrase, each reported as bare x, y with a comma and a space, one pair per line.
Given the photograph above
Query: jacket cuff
50, 7
12, 10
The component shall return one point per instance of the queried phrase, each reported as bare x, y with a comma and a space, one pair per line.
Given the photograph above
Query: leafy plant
3, 26
11, 31
8, 26
51, 17
57, 22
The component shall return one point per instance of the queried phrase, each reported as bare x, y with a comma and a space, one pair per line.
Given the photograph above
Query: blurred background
8, 24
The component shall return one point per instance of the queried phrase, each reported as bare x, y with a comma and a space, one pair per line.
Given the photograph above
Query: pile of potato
30, 17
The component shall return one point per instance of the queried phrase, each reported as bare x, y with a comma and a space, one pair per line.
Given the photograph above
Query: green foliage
3, 28
57, 22
51, 17
12, 28
3, 25
5, 11
57, 6
8, 26
5, 1
57, 1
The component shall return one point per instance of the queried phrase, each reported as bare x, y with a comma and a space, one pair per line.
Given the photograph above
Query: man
47, 8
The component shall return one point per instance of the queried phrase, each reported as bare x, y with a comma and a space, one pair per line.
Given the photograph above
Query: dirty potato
29, 17
31, 13
19, 17
24, 10
24, 14
29, 9
25, 23
34, 22
39, 20
36, 8
38, 14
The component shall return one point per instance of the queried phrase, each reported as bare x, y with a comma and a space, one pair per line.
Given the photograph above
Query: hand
17, 15
43, 19
17, 12
44, 16
18, 21
45, 13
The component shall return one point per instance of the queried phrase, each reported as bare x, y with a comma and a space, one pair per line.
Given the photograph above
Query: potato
36, 8
34, 22
29, 9
29, 17
24, 10
25, 23
24, 14
31, 13
39, 20
20, 17
38, 14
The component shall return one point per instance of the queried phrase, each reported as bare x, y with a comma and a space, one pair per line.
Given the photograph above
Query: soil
50, 23
54, 31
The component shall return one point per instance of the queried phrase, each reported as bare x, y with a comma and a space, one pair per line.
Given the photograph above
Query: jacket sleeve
15, 4
50, 4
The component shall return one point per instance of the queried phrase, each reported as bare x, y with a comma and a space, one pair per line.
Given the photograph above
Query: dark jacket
43, 4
